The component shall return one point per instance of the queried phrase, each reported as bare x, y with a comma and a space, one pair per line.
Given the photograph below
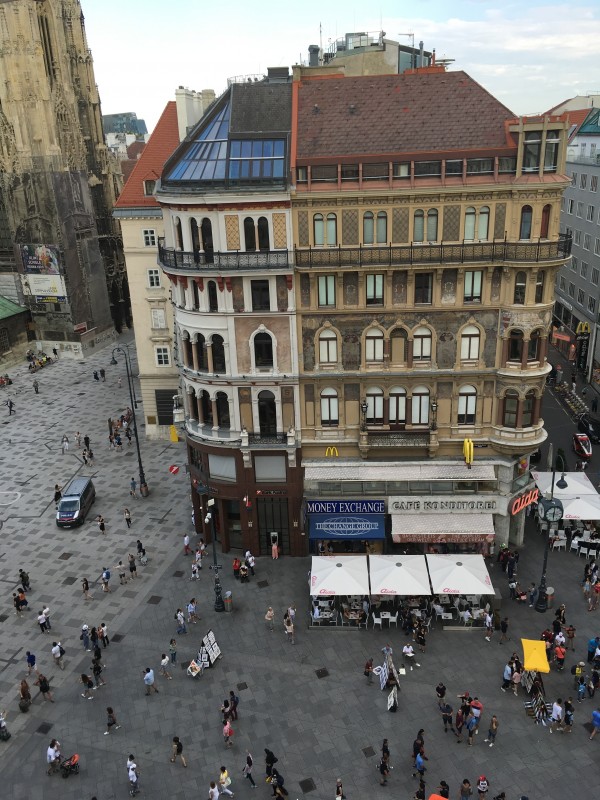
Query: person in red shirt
559, 656
476, 711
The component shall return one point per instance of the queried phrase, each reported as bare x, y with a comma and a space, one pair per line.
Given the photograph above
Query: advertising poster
40, 259
45, 288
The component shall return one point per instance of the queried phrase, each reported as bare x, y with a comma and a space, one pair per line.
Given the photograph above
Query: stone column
215, 415
520, 412
504, 356
409, 353
200, 410
195, 354
209, 358
524, 353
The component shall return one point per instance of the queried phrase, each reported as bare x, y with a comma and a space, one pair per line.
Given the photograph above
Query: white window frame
467, 405
153, 275
330, 410
422, 344
328, 347
374, 346
470, 343
158, 318
149, 237
162, 356
326, 291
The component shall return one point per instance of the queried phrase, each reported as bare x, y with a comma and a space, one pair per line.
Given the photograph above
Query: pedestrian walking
149, 681
132, 566
101, 523
385, 751
569, 715
42, 621
443, 790
17, 604
274, 549
24, 580
227, 732
105, 579
78, 440
570, 634
85, 457
58, 652
213, 792
557, 716
164, 663
36, 386
195, 573
85, 638
507, 676
269, 616
504, 630
339, 790
173, 651
103, 374
289, 628
270, 761
88, 684
247, 770
44, 685
97, 673
466, 790
409, 654
446, 711
30, 658
440, 691
489, 626
181, 628
516, 678
11, 407
127, 517
459, 723
96, 376
57, 494
369, 671
483, 786
384, 771
111, 720
133, 774
119, 381
64, 444
122, 573
225, 782
419, 766
85, 587
492, 731
420, 792
471, 728
186, 545
234, 702
595, 722
191, 611
133, 488
177, 751
53, 756
86, 441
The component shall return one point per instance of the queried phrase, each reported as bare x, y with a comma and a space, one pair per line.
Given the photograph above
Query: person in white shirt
46, 613
191, 611
559, 638
57, 655
409, 653
53, 756
557, 715
316, 611
132, 774
213, 792
489, 626
42, 622
186, 545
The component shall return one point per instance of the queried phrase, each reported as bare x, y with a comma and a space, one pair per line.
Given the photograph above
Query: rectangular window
149, 187
571, 290
374, 348
473, 281
570, 204
466, 408
580, 296
221, 467
158, 318
324, 174
349, 172
583, 178
422, 347
326, 290
268, 469
580, 209
507, 164
597, 247
302, 174
551, 151
149, 235
592, 152
562, 283
532, 151
595, 276
423, 288
594, 183
402, 169
428, 168
374, 290
591, 305
261, 300
574, 263
583, 270
164, 405
590, 214
163, 358
574, 179
577, 237
587, 241
454, 166
480, 166
373, 172
153, 278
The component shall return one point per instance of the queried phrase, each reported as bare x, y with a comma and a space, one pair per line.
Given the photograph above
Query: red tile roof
576, 118
135, 150
385, 114
162, 143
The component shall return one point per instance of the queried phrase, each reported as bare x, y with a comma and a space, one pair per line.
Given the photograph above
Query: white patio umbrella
335, 575
459, 573
399, 575
578, 483
585, 507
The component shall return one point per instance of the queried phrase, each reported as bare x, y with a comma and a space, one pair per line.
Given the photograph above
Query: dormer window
149, 187
532, 151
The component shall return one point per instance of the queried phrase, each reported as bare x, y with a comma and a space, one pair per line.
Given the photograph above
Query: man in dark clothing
86, 441
446, 712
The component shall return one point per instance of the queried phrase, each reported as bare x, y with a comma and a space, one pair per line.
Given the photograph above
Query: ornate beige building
57, 181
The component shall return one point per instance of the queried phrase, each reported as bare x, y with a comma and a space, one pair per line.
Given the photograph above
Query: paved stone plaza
320, 728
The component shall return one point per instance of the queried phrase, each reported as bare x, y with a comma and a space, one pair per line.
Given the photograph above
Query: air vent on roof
352, 108
316, 108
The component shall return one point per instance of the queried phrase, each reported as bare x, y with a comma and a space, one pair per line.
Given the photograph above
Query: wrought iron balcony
457, 253
418, 438
170, 258
267, 439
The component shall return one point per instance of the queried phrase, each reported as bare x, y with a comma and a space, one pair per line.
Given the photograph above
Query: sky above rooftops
531, 57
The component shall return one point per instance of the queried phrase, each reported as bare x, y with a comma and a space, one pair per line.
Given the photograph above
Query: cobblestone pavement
321, 728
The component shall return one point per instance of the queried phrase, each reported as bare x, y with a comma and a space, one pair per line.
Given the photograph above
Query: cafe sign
524, 500
448, 504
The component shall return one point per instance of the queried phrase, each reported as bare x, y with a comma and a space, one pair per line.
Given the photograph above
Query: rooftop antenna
320, 44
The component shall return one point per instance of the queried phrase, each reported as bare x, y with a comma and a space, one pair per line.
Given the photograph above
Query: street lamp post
552, 511
144, 490
364, 408
209, 518
434, 408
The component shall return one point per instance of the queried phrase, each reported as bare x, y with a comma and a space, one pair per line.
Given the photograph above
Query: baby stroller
70, 765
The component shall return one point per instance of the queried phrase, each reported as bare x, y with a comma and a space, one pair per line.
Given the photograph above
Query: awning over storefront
399, 575
457, 528
459, 573
334, 469
335, 575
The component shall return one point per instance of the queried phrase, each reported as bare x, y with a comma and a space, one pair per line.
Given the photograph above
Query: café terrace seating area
399, 591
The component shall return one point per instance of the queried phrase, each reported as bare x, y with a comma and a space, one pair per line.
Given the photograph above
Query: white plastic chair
393, 618
583, 551
559, 544
377, 621
574, 544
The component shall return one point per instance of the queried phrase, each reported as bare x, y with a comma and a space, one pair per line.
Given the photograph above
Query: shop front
345, 526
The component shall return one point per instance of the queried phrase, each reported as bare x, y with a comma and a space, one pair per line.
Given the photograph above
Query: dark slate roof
260, 107
408, 113
9, 309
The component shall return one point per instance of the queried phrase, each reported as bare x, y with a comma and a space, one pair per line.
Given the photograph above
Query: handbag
227, 781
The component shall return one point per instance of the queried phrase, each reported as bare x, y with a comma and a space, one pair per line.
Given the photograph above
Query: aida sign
524, 500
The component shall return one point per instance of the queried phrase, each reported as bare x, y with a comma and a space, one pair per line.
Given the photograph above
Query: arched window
331, 230
432, 225
368, 227
539, 286
511, 405
375, 406
201, 350
381, 227
207, 239
483, 223
263, 234
398, 342
249, 234
545, 226
420, 406
520, 288
195, 295
515, 345
195, 234
470, 215
418, 225
223, 420
218, 354
178, 234
533, 348
397, 407
213, 297
374, 345
467, 405
329, 408
318, 230
263, 351
525, 228
528, 407
328, 347
206, 407
469, 343
422, 344
267, 413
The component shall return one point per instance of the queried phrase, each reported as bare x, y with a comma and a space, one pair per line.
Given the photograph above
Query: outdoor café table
447, 616
385, 615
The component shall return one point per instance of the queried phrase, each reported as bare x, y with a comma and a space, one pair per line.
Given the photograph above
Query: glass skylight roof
207, 158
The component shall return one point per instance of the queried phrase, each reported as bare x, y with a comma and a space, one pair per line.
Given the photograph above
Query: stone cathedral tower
58, 182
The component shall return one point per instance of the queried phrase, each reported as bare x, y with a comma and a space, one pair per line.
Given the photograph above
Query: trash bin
228, 601
550, 595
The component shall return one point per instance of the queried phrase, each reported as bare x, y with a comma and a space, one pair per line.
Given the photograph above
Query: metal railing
458, 253
170, 258
267, 439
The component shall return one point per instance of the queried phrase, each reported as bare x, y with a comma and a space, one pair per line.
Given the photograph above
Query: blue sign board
345, 507
346, 519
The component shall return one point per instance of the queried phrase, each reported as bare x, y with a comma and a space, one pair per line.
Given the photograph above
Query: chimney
421, 55
191, 107
313, 55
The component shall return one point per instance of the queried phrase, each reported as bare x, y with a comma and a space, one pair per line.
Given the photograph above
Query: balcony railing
267, 439
170, 258
398, 438
466, 252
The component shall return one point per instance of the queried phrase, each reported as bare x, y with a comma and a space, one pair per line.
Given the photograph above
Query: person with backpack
97, 672
105, 579
234, 702
58, 652
270, 760
277, 782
